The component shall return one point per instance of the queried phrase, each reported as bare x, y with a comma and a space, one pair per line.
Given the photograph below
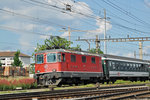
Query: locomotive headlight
38, 71
53, 70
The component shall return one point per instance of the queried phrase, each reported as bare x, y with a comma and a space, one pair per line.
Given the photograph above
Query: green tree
56, 42
93, 50
32, 69
17, 62
77, 48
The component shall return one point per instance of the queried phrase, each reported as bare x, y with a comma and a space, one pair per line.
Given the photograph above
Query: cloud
101, 27
44, 37
147, 3
146, 49
65, 34
76, 8
114, 53
49, 28
49, 16
130, 54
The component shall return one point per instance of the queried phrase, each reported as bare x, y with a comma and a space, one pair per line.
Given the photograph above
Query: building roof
11, 54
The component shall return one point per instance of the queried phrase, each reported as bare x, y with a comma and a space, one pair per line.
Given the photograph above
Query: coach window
140, 67
113, 65
93, 59
73, 58
137, 67
84, 59
63, 57
109, 62
128, 64
39, 59
124, 65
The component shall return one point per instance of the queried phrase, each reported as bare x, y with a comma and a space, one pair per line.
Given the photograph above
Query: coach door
105, 69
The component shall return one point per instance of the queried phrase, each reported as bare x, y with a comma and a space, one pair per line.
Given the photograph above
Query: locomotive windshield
53, 57
39, 59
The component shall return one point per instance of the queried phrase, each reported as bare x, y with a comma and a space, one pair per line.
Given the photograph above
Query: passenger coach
125, 68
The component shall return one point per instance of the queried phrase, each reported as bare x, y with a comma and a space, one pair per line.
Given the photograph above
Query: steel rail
68, 92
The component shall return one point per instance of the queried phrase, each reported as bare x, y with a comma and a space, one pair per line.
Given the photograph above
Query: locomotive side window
93, 60
39, 59
84, 59
63, 58
51, 57
73, 58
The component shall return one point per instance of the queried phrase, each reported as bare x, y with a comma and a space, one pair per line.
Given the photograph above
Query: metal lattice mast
134, 39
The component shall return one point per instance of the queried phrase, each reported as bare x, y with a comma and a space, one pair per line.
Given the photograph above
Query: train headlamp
53, 70
38, 71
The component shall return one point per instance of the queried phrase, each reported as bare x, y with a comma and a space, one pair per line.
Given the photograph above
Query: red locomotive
61, 66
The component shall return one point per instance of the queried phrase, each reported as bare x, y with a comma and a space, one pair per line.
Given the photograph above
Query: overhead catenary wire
125, 20
35, 19
25, 31
63, 9
95, 25
125, 12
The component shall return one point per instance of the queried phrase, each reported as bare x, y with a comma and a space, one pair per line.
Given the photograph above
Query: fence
14, 71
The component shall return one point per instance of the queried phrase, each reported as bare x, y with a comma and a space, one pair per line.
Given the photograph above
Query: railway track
80, 94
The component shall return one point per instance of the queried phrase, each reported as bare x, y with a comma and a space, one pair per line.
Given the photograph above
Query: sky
24, 23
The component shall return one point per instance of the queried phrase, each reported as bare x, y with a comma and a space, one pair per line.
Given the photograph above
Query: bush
25, 83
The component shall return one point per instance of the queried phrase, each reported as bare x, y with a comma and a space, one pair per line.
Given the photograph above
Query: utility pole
105, 42
97, 44
86, 40
134, 54
141, 49
69, 34
70, 30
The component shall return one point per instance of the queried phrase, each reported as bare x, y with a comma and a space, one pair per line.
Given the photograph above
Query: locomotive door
64, 62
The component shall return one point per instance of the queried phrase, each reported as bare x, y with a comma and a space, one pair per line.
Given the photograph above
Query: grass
129, 82
118, 82
72, 87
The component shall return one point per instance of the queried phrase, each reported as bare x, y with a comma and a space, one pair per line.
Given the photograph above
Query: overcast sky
24, 23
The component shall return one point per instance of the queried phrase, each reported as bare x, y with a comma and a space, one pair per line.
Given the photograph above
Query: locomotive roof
69, 51
105, 56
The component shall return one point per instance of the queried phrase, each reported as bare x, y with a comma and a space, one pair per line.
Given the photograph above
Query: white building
6, 58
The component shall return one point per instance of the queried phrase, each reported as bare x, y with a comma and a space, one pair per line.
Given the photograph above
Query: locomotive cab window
51, 57
73, 58
39, 59
59, 57
93, 60
84, 59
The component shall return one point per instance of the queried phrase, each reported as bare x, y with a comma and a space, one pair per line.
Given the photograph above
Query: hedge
24, 83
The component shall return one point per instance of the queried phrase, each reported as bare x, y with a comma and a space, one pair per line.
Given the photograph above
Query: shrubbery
24, 83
